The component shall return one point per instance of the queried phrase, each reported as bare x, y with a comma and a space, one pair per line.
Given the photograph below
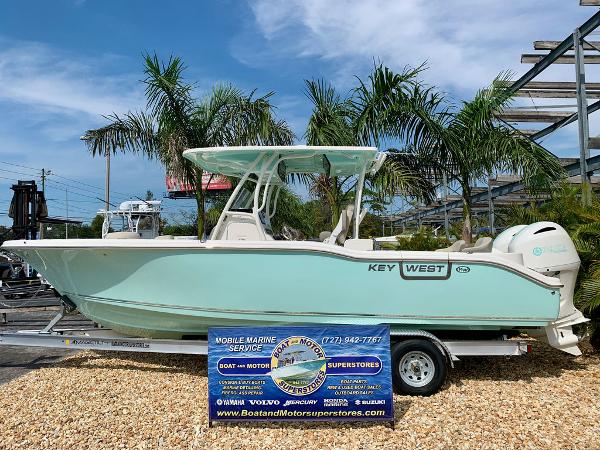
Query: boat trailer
107, 339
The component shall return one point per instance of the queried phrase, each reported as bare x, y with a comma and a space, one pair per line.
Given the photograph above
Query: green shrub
422, 240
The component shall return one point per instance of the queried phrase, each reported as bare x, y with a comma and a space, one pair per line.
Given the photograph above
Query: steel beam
551, 45
530, 58
523, 115
594, 142
593, 164
582, 113
567, 120
590, 25
562, 85
538, 93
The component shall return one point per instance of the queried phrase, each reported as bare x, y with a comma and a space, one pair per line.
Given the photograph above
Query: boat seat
482, 245
122, 235
324, 235
339, 233
457, 246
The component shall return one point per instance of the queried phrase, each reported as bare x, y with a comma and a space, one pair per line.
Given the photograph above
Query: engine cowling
547, 248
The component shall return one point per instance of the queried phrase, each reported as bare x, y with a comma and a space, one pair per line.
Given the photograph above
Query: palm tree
388, 106
470, 144
175, 121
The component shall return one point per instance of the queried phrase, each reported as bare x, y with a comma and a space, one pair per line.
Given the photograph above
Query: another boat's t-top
133, 219
243, 275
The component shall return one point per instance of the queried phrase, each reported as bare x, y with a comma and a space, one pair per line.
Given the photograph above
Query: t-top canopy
333, 161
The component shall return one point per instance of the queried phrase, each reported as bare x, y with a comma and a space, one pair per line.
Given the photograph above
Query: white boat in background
132, 217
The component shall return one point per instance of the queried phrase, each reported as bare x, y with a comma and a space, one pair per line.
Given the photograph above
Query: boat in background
132, 217
244, 274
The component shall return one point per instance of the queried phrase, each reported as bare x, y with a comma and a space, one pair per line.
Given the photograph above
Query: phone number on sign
351, 339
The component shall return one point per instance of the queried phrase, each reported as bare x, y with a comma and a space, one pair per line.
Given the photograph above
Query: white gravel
546, 400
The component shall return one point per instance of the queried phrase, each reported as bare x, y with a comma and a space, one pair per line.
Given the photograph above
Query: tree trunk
467, 231
200, 195
336, 207
335, 214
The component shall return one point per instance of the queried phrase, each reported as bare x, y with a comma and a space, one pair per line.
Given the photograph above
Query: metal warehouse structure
501, 190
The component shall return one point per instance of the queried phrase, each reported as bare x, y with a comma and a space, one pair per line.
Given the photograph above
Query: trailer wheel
418, 367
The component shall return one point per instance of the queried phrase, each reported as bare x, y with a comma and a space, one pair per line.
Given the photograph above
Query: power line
19, 173
63, 202
20, 165
92, 186
126, 195
78, 193
71, 186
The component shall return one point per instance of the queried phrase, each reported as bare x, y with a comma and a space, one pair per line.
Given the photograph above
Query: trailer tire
418, 367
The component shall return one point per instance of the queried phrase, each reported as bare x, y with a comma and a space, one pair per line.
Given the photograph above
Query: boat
244, 274
131, 220
294, 367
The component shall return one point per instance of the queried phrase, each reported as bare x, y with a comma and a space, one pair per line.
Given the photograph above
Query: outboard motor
547, 248
503, 239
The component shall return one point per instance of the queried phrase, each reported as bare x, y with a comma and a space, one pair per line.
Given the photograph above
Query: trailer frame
107, 339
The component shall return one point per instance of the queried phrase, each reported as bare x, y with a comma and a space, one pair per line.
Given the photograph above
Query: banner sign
339, 372
210, 182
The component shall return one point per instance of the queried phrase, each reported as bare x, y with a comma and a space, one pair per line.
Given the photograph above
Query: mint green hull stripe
184, 291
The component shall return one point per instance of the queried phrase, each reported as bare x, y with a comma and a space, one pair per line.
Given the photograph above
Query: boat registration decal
425, 270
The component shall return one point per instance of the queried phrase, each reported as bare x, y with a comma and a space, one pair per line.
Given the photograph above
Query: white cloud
48, 98
465, 42
43, 77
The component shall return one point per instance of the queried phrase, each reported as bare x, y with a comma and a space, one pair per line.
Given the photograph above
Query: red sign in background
217, 182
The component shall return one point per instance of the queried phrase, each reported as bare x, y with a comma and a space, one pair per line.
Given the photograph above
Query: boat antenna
104, 201
145, 201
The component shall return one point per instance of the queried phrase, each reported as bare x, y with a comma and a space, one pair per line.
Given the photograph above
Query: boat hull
174, 292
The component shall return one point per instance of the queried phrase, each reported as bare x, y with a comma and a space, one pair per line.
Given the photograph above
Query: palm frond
404, 173
132, 132
329, 123
394, 105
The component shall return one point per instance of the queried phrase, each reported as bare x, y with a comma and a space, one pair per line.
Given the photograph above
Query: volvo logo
463, 269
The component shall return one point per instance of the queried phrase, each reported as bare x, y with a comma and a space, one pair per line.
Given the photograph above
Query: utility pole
42, 226
66, 224
107, 183
45, 173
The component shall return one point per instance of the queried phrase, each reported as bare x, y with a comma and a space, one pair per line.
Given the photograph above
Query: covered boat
244, 275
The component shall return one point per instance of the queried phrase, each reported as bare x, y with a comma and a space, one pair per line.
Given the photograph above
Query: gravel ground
118, 400
16, 361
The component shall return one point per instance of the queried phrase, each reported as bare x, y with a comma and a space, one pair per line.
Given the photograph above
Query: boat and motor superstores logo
298, 365
331, 372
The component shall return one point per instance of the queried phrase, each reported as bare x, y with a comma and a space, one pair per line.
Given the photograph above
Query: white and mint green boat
242, 275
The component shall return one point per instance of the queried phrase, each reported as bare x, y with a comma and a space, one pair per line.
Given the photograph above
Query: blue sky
63, 64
